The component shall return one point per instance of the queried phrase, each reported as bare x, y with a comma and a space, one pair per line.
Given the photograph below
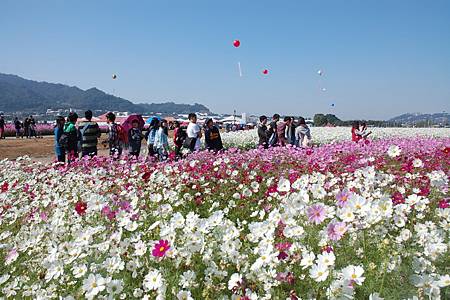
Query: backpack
121, 134
181, 136
64, 140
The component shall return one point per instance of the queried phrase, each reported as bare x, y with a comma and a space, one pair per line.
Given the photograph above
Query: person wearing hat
213, 140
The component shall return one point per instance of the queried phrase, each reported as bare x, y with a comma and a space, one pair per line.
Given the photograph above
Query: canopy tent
127, 123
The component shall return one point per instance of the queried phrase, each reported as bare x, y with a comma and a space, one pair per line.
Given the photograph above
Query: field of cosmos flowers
340, 220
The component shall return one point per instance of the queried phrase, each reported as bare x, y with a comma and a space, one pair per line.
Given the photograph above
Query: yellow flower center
354, 276
161, 249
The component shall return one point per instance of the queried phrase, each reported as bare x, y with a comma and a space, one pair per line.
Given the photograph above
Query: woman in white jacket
302, 134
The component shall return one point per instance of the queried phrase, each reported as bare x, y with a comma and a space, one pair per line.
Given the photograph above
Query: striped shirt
89, 134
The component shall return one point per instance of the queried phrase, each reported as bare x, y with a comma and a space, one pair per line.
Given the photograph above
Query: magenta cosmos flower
316, 213
161, 248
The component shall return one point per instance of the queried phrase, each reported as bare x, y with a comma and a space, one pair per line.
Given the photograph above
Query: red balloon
265, 72
236, 43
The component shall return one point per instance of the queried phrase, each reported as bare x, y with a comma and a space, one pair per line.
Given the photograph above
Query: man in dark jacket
213, 140
263, 132
272, 132
89, 132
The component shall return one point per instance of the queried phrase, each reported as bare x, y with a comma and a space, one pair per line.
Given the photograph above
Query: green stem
382, 280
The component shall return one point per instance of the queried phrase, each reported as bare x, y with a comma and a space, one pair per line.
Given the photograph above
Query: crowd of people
72, 140
75, 139
282, 133
28, 125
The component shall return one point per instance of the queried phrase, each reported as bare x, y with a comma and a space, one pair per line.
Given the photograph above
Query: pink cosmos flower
342, 197
316, 213
336, 230
161, 248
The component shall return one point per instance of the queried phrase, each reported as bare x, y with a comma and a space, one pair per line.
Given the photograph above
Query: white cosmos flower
394, 151
140, 248
184, 295
417, 163
153, 280
55, 271
319, 272
4, 278
375, 296
78, 271
235, 281
284, 185
354, 274
346, 215
307, 260
93, 285
444, 281
326, 259
114, 287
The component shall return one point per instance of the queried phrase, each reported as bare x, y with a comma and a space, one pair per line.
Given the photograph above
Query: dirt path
41, 149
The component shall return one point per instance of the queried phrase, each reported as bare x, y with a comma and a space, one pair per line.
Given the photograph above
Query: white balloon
320, 72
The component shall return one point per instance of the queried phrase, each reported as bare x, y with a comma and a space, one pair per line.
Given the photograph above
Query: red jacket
355, 137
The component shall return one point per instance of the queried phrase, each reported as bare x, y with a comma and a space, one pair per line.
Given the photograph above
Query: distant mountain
414, 118
19, 94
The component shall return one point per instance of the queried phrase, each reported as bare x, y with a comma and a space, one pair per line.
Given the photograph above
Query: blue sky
379, 58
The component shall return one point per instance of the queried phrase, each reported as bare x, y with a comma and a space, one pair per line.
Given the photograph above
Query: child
59, 149
134, 139
161, 141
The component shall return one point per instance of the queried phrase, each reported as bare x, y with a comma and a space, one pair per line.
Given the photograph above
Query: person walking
302, 134
162, 141
213, 141
135, 137
72, 137
58, 131
89, 133
263, 132
150, 136
194, 134
32, 129
2, 127
17, 126
26, 128
272, 132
